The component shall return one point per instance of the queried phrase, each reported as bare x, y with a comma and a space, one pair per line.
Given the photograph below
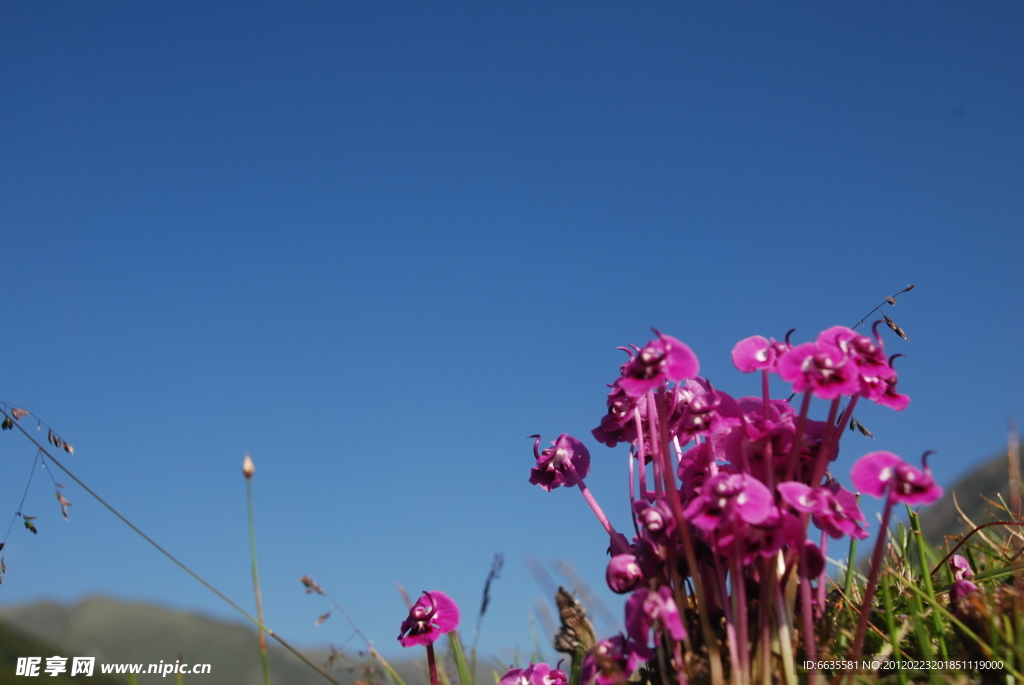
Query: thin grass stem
890, 622
926, 580
248, 469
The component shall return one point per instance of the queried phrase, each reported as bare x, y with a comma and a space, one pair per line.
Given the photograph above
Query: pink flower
823, 367
726, 499
552, 469
707, 411
645, 607
657, 520
535, 674
879, 472
835, 509
961, 572
661, 360
889, 397
758, 353
613, 661
618, 424
433, 615
961, 567
623, 573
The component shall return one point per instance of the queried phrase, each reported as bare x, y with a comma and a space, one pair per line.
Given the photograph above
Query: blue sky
378, 245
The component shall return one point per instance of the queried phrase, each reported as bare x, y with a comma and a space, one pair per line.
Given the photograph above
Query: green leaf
460, 659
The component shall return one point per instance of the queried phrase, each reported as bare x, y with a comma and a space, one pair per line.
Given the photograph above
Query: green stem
926, 577
465, 675
890, 620
575, 670
256, 581
387, 667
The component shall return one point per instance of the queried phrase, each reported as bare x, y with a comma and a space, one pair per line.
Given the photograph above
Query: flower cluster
724, 491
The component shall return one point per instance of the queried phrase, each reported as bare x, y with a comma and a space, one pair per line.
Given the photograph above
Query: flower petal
873, 472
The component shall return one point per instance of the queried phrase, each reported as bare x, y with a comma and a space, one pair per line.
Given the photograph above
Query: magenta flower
623, 573
765, 539
433, 615
823, 367
613, 661
535, 674
961, 572
961, 567
708, 411
661, 360
730, 498
657, 520
889, 397
834, 508
645, 607
552, 469
694, 468
618, 424
879, 472
758, 353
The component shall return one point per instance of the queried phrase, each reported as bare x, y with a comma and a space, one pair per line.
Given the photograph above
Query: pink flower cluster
723, 489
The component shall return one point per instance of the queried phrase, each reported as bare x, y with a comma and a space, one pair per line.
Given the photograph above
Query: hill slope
116, 631
123, 632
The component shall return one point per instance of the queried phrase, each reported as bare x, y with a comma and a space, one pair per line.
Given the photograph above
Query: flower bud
623, 573
248, 468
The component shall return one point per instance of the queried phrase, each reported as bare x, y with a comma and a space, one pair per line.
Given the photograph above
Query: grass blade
465, 677
926, 579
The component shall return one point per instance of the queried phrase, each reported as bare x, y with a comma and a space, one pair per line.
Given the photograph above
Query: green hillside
115, 631
15, 644
123, 632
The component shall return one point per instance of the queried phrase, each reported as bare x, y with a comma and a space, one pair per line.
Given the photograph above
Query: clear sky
376, 245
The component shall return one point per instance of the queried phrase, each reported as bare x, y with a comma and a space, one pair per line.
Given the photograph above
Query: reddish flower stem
822, 577
632, 494
739, 589
431, 665
765, 611
830, 441
869, 589
798, 438
807, 606
730, 611
676, 505
654, 421
619, 543
642, 455
765, 392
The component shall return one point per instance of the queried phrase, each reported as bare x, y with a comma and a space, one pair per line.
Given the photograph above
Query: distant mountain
14, 644
115, 631
123, 632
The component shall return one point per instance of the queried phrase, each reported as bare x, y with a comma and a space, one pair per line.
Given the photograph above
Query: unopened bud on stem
248, 468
